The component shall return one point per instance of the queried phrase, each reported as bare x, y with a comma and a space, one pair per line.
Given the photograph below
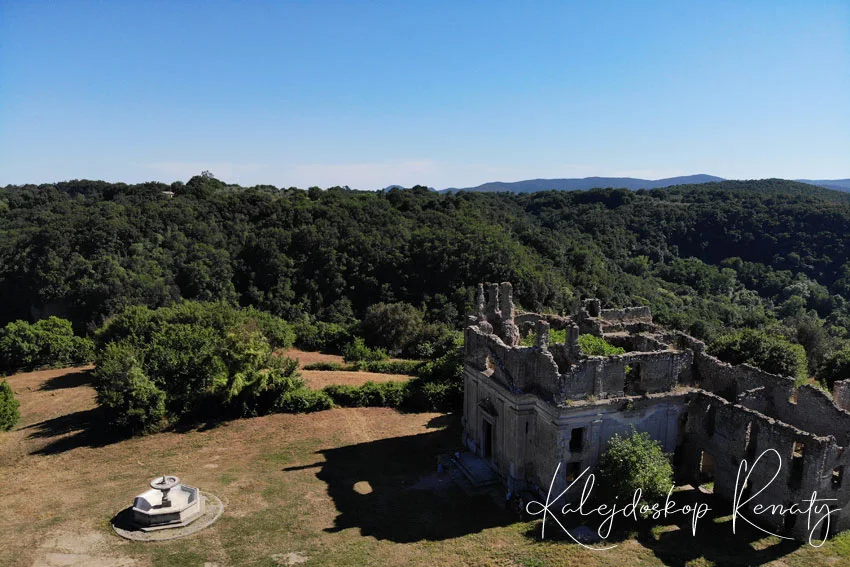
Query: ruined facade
528, 409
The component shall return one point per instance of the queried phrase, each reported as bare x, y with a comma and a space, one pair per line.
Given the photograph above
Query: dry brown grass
318, 379
334, 488
306, 357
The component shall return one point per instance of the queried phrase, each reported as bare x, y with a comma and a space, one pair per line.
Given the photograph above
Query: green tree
393, 326
771, 353
9, 413
836, 367
634, 462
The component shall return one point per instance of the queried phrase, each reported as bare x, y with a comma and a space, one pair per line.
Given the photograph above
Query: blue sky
367, 94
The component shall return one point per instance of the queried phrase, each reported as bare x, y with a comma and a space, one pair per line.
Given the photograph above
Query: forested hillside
707, 258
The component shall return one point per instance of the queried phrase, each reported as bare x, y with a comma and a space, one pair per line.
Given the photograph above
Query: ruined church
528, 409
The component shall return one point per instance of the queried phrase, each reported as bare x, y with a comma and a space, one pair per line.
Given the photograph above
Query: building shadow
678, 545
390, 489
69, 380
674, 541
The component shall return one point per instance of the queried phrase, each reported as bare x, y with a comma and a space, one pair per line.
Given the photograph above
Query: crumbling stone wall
713, 414
721, 434
841, 394
642, 313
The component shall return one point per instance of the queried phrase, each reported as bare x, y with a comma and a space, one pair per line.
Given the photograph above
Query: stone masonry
529, 408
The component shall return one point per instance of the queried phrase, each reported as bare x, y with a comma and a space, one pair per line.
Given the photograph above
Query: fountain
168, 504
168, 510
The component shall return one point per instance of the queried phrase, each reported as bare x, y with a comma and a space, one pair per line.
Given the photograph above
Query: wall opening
750, 442
710, 421
790, 522
577, 440
795, 479
572, 471
632, 385
706, 471
486, 439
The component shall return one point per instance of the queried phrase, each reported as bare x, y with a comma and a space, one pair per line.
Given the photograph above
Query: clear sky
452, 93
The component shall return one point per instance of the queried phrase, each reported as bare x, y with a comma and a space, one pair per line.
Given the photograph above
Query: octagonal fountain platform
168, 510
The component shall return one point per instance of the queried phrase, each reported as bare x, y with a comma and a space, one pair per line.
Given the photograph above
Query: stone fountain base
124, 526
169, 507
184, 504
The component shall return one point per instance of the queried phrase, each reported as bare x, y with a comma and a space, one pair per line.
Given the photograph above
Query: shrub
391, 366
555, 336
189, 361
771, 353
48, 342
140, 323
591, 345
370, 394
9, 413
321, 336
327, 366
632, 462
439, 384
304, 400
393, 326
279, 333
434, 396
357, 350
836, 367
131, 400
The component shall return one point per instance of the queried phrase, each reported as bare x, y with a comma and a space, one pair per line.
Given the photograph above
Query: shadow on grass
85, 428
70, 380
405, 500
673, 540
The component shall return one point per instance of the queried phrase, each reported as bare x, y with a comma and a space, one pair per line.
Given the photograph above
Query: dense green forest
708, 258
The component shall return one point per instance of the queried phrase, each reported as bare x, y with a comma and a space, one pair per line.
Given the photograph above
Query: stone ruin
529, 408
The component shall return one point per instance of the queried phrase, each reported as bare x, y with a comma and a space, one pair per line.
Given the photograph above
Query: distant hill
581, 184
837, 184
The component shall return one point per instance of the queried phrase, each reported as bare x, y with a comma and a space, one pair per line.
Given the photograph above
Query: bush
9, 413
555, 336
370, 394
279, 333
771, 353
140, 323
357, 350
327, 366
410, 367
434, 396
191, 361
836, 367
304, 400
321, 336
131, 400
633, 462
393, 326
591, 345
48, 342
439, 385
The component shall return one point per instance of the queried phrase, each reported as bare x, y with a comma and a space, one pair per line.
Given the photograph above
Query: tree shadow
69, 380
444, 420
399, 495
85, 428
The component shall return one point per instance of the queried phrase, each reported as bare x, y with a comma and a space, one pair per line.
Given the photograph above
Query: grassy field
341, 487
